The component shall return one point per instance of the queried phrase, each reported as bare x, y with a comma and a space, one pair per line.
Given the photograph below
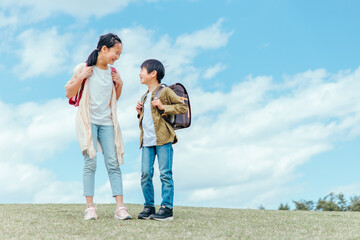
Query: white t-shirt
149, 138
100, 89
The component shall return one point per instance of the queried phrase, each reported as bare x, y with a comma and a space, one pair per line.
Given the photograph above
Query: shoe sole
144, 218
163, 219
90, 219
119, 218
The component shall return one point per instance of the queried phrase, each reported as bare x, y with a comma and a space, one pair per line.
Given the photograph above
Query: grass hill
65, 221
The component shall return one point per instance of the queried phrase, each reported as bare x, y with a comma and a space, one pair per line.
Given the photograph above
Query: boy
156, 138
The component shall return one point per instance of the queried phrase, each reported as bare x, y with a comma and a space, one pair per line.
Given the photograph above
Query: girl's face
112, 54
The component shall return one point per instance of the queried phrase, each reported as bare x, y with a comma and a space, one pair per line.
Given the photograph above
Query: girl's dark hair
108, 40
153, 64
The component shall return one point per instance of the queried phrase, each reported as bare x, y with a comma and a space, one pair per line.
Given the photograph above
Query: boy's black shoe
145, 214
164, 214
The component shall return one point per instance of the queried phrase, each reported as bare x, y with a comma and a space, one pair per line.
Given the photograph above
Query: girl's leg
119, 200
89, 171
89, 201
106, 139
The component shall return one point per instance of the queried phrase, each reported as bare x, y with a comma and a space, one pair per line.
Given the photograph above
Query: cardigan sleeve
77, 70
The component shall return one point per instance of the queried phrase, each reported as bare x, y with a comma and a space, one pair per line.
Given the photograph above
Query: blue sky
273, 87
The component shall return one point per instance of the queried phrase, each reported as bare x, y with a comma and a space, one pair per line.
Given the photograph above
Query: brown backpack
178, 121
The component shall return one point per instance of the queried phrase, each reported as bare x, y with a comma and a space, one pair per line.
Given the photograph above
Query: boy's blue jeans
105, 134
165, 158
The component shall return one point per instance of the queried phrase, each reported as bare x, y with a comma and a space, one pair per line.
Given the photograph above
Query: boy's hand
139, 107
157, 103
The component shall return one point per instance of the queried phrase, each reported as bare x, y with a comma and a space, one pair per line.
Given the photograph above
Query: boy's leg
147, 173
165, 159
90, 168
106, 139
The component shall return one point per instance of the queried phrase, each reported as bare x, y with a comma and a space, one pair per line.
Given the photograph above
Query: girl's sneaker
122, 213
90, 213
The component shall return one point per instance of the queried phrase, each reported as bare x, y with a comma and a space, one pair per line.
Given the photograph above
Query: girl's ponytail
91, 61
108, 40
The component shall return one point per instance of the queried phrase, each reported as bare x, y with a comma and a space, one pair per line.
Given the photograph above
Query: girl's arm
72, 87
118, 91
118, 84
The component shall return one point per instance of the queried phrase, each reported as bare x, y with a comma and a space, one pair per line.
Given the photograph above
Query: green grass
65, 221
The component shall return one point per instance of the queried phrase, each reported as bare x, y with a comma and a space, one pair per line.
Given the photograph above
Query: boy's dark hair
108, 40
153, 64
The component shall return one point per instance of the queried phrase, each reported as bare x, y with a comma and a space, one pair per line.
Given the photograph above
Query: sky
273, 86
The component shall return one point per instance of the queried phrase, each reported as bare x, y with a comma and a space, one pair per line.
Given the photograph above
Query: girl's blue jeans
105, 134
165, 159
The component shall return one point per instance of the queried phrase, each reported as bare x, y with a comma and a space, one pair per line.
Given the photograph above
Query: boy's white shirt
83, 121
149, 138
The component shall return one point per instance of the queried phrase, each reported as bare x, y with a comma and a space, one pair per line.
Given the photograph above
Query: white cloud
209, 38
41, 52
48, 53
18, 181
30, 134
254, 193
8, 20
212, 71
32, 11
348, 190
33, 132
59, 192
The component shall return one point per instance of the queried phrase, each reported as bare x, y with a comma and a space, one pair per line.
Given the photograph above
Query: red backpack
178, 121
75, 100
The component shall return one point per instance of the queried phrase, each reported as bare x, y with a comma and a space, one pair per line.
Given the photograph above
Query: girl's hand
139, 107
86, 73
117, 79
157, 103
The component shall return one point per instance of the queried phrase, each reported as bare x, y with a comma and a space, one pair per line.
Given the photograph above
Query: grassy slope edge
65, 221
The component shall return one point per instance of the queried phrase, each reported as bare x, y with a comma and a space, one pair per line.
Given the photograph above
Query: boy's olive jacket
173, 105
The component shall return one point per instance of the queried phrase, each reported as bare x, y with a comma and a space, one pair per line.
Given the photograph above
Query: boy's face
145, 77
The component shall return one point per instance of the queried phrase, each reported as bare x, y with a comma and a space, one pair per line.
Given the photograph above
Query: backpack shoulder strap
114, 71
159, 90
157, 93
156, 96
143, 97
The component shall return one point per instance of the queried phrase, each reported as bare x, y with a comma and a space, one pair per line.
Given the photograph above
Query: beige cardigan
83, 122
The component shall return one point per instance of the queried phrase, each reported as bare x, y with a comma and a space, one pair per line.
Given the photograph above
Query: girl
97, 126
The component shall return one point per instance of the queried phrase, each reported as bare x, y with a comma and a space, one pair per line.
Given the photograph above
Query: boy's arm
177, 106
